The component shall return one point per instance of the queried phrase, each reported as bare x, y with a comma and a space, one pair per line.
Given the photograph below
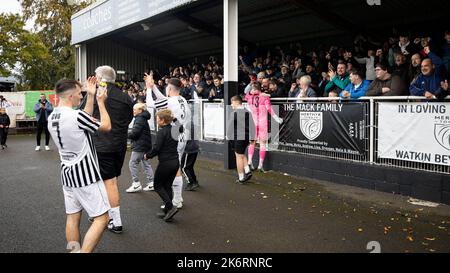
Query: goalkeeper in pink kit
259, 105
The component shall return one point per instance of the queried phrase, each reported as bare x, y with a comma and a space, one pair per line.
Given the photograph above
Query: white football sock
241, 176
177, 187
115, 212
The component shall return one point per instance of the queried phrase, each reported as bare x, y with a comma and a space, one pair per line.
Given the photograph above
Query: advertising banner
324, 127
415, 131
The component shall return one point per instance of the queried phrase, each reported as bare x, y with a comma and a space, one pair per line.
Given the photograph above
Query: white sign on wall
418, 132
213, 116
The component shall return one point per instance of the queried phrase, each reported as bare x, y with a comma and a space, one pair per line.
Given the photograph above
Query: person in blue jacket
43, 108
357, 87
429, 82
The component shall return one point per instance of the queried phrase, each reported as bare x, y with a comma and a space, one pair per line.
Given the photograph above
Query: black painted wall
418, 184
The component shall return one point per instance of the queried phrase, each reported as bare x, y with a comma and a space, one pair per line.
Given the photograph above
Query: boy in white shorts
83, 187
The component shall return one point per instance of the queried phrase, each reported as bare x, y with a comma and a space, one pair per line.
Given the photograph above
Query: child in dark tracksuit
169, 163
4, 126
239, 126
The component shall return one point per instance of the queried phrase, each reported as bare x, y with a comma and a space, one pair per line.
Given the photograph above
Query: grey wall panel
106, 52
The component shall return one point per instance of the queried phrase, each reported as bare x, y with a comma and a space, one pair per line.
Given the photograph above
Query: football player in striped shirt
182, 114
82, 185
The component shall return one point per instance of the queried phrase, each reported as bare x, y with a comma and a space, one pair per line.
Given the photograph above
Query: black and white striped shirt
70, 130
179, 107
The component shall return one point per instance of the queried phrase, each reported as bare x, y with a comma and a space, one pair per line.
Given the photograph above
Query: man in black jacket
141, 143
112, 146
217, 90
401, 69
276, 91
4, 126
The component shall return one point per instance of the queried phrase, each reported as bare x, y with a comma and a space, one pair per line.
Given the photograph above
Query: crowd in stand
400, 66
397, 67
199, 81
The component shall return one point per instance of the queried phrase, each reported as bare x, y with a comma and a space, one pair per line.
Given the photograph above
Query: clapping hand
346, 94
444, 85
332, 74
429, 95
149, 81
102, 95
385, 89
91, 85
293, 86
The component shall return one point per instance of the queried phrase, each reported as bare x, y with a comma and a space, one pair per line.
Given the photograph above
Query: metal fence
201, 113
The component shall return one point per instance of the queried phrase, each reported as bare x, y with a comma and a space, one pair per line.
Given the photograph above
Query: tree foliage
52, 28
11, 30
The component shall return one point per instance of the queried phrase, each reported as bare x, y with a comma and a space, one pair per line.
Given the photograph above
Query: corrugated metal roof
269, 21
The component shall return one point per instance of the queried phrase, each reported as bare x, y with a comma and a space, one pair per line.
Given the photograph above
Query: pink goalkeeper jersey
259, 106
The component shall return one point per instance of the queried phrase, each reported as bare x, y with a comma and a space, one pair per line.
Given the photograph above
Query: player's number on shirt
183, 109
256, 102
55, 124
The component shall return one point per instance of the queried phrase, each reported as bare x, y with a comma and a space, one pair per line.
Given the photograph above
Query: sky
13, 6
